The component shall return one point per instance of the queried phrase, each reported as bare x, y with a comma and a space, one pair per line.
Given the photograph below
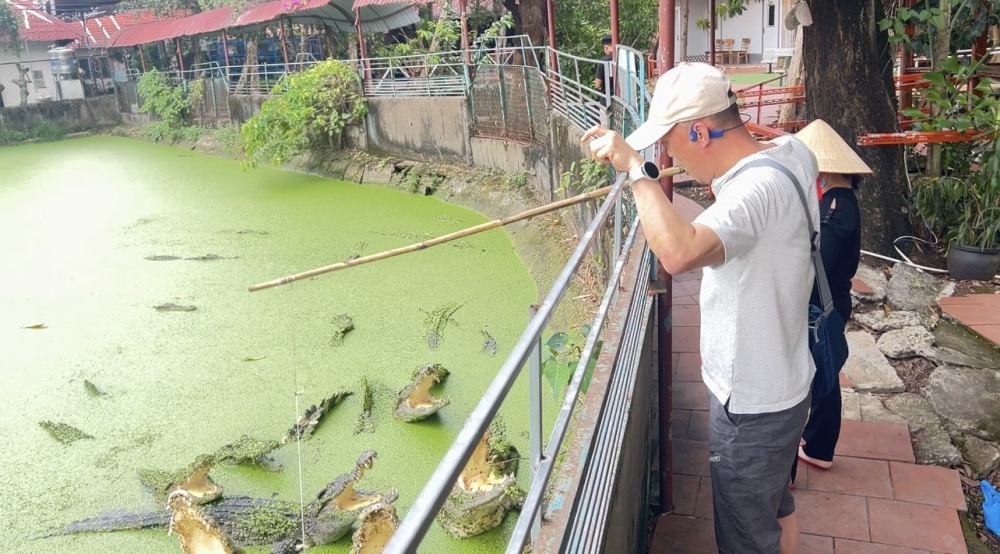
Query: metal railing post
535, 415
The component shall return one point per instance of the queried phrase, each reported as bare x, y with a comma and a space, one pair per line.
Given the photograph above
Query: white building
38, 32
762, 23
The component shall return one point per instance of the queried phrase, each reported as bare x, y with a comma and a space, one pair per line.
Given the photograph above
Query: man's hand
609, 147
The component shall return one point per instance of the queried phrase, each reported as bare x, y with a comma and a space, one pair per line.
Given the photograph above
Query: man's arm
679, 245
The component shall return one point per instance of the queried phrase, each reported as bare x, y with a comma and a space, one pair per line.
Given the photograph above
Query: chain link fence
23, 83
508, 102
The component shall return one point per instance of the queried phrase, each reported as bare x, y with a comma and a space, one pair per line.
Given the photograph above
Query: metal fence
29, 82
444, 74
508, 102
627, 112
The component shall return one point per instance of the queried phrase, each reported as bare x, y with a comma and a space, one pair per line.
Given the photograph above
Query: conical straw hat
832, 152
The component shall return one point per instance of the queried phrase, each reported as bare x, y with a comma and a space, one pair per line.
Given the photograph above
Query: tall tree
848, 78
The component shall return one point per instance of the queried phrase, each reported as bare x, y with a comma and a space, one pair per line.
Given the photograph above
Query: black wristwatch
647, 170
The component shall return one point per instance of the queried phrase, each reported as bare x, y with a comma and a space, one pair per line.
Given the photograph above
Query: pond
90, 229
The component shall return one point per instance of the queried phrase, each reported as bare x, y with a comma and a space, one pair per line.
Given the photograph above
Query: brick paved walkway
874, 500
979, 312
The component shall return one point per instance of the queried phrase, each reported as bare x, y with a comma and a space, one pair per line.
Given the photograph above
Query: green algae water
88, 232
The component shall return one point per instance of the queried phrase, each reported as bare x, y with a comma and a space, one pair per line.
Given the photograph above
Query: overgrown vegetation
10, 31
308, 109
47, 131
584, 176
171, 104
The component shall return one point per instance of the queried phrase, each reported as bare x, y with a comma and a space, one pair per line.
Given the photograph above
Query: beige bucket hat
832, 152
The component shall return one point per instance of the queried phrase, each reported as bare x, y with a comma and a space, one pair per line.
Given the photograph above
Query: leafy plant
168, 102
561, 356
963, 205
10, 31
584, 176
306, 109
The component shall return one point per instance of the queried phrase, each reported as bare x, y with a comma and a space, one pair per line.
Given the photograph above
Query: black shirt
840, 245
609, 83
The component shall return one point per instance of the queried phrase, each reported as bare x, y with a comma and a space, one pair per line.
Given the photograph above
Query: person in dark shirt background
602, 68
840, 245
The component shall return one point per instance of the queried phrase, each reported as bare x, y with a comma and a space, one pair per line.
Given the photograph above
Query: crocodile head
199, 533
193, 479
376, 525
485, 490
416, 401
336, 508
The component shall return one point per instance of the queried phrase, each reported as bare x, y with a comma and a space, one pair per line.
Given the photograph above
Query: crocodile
193, 479
485, 490
171, 307
376, 525
264, 521
310, 419
342, 324
199, 532
415, 401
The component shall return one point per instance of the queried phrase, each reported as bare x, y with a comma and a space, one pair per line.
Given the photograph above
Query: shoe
818, 464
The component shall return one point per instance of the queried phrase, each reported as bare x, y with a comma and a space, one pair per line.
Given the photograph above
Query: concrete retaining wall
426, 129
243, 107
91, 112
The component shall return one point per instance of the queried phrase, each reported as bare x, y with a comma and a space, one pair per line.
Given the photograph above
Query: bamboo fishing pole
452, 236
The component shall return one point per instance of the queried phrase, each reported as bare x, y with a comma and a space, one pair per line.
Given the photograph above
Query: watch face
650, 169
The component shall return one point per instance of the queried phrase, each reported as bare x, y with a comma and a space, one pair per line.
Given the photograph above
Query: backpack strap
825, 297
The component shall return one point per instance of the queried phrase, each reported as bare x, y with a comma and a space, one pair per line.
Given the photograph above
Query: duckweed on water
266, 523
178, 380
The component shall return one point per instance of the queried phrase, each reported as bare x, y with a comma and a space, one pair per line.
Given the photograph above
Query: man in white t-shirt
753, 244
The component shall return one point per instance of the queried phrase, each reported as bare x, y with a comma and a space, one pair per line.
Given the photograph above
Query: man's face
608, 48
685, 153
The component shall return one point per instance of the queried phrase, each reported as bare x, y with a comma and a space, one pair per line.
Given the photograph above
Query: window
38, 78
770, 15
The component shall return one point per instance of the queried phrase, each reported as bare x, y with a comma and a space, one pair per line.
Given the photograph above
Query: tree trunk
941, 49
848, 78
685, 13
795, 77
250, 76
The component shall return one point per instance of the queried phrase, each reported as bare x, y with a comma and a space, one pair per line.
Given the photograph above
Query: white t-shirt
754, 305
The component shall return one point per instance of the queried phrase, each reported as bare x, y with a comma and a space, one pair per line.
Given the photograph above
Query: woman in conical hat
840, 169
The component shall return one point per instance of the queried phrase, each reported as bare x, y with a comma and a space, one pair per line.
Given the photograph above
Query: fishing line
298, 430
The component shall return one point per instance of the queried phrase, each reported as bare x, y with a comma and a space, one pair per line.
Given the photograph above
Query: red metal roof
197, 24
38, 26
101, 29
336, 13
272, 10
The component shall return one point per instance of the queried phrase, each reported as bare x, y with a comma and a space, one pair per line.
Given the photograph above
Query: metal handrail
532, 503
423, 511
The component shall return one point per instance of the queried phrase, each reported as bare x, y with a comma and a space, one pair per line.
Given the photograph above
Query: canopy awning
336, 14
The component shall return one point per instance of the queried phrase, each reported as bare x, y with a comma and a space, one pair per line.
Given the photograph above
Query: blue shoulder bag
827, 341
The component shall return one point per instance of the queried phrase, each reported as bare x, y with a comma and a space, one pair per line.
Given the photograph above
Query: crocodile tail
116, 521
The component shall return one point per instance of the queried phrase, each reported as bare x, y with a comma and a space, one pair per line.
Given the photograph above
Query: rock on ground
867, 368
951, 357
968, 399
875, 279
911, 289
905, 342
933, 442
879, 321
850, 405
873, 410
983, 457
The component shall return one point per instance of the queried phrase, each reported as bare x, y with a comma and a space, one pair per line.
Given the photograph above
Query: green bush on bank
307, 109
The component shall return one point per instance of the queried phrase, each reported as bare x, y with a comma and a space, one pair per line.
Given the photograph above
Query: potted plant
975, 252
956, 198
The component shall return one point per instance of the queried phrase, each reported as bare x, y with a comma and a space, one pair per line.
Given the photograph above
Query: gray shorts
750, 456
